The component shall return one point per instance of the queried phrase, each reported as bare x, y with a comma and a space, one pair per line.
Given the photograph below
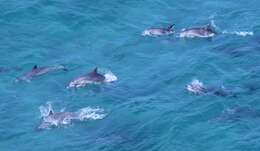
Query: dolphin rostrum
37, 71
158, 31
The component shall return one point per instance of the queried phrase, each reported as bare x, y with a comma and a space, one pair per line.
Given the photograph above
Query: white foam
239, 33
110, 77
196, 87
88, 113
45, 110
146, 33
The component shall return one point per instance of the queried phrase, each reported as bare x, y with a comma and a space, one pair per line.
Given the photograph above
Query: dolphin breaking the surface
51, 119
199, 88
200, 32
92, 77
37, 71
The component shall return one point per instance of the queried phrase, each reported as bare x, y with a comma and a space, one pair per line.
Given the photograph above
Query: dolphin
89, 78
158, 31
56, 119
37, 71
200, 32
51, 119
198, 88
238, 113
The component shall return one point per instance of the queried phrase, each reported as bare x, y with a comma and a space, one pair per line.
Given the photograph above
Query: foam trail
91, 113
239, 33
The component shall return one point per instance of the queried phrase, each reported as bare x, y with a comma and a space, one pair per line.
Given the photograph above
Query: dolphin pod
51, 119
199, 32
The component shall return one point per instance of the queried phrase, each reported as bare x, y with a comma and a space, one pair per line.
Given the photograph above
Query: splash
196, 87
88, 113
110, 77
45, 110
51, 119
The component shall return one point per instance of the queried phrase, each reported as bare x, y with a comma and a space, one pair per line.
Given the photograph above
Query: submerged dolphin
238, 113
158, 31
201, 32
89, 78
198, 88
37, 71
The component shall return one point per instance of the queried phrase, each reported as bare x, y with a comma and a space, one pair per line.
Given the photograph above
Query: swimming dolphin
51, 119
37, 71
201, 32
238, 113
158, 31
89, 78
56, 119
198, 88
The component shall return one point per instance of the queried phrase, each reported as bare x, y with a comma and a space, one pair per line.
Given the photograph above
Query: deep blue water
148, 107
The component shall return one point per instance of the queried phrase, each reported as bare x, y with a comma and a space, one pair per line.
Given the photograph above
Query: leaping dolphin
159, 31
37, 71
89, 78
200, 32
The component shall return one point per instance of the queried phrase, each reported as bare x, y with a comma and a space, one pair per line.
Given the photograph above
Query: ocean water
148, 107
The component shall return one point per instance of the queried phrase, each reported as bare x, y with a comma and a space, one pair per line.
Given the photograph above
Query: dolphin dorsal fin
34, 67
170, 27
95, 70
51, 112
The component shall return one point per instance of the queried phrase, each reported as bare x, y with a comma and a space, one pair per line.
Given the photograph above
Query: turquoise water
148, 107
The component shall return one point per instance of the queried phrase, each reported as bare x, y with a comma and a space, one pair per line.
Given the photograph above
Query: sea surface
148, 107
